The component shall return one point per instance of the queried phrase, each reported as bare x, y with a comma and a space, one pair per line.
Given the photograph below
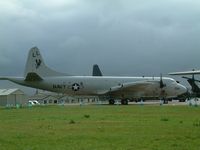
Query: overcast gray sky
125, 37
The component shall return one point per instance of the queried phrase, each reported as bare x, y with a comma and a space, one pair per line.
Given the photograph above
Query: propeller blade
161, 82
193, 74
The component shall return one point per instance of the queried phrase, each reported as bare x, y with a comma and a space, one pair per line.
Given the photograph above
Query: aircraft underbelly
137, 92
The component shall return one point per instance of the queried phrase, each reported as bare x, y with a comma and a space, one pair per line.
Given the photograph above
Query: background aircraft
194, 83
38, 75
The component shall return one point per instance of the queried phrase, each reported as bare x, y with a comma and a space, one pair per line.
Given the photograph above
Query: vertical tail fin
35, 65
96, 71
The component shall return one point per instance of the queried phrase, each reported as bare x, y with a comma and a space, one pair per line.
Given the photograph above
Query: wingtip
171, 73
185, 73
34, 47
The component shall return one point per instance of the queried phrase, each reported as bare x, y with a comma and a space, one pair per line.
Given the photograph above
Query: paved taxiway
149, 102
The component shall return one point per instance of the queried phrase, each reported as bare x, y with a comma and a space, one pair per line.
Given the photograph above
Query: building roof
4, 92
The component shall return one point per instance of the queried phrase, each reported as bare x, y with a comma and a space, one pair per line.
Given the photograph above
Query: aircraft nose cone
182, 90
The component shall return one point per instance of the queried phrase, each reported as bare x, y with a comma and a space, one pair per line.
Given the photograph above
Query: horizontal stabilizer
31, 76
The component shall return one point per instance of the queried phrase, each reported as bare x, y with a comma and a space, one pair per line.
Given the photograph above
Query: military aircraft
194, 83
38, 75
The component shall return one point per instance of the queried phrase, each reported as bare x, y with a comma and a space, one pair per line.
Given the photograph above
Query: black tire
165, 101
111, 101
124, 102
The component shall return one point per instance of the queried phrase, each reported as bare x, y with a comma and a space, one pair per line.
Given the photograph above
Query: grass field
100, 127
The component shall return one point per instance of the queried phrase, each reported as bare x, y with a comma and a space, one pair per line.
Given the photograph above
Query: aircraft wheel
111, 101
124, 101
165, 101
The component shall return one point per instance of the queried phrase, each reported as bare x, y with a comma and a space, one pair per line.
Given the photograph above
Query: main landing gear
111, 101
165, 101
123, 101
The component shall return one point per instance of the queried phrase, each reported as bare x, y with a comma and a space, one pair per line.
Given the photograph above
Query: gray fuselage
90, 85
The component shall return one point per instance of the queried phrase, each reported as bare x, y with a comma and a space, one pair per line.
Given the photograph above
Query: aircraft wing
128, 86
185, 73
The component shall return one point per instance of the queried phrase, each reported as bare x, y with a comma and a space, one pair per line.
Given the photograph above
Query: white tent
12, 97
